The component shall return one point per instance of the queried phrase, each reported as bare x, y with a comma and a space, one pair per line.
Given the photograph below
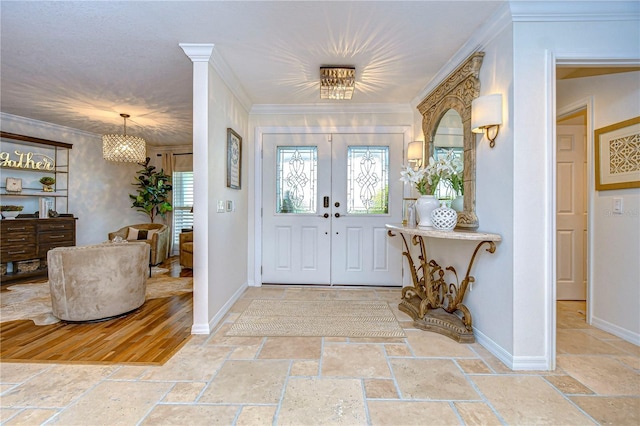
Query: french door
326, 200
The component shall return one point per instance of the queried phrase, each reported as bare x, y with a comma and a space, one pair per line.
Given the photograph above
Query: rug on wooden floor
33, 300
326, 318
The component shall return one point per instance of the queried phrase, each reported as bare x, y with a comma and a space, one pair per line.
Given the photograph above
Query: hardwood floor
150, 335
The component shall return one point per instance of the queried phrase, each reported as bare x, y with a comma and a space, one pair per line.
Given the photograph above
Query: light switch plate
220, 206
230, 207
617, 205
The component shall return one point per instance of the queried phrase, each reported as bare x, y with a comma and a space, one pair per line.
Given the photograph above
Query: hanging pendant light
124, 148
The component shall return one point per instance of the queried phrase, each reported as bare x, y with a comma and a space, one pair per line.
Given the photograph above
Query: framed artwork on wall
617, 152
234, 159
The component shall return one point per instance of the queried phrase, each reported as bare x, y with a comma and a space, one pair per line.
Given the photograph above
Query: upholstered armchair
186, 249
100, 281
155, 234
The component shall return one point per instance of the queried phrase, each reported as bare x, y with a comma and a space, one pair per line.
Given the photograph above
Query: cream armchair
186, 249
154, 234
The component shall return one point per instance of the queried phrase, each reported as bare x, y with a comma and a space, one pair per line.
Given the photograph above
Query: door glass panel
296, 180
368, 180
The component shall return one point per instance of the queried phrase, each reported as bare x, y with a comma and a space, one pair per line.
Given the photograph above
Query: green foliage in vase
154, 192
47, 180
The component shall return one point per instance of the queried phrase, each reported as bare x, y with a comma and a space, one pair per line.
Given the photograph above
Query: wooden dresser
25, 243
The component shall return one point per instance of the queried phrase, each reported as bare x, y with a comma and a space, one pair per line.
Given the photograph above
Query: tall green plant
153, 191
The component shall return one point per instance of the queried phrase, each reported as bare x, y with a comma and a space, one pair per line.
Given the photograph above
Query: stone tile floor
424, 378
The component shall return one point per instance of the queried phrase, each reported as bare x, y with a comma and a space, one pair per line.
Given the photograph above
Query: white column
200, 55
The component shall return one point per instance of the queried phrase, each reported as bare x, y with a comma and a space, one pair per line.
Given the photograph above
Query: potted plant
154, 190
47, 183
10, 212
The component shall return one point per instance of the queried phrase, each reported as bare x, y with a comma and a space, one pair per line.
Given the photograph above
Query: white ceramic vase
424, 206
444, 218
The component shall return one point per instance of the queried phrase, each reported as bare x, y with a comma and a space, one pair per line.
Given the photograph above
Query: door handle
337, 204
326, 215
325, 202
337, 215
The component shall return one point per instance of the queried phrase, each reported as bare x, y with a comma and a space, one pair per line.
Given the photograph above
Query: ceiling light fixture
124, 148
337, 82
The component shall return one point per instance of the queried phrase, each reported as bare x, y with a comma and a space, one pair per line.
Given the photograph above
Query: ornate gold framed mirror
454, 95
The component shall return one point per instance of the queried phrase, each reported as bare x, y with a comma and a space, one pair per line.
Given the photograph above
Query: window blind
182, 204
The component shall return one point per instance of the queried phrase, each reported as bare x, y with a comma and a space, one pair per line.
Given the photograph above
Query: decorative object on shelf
234, 159
486, 113
617, 153
458, 203
424, 206
10, 212
444, 218
154, 191
46, 204
47, 183
337, 82
409, 211
426, 180
124, 148
14, 185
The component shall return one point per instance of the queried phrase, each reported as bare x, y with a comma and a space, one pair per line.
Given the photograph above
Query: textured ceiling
81, 64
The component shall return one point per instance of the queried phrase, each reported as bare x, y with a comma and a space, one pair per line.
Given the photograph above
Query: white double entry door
325, 201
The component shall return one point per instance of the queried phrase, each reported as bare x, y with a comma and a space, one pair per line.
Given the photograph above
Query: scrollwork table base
433, 304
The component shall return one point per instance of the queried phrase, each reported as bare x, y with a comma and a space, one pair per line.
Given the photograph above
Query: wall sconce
486, 113
414, 153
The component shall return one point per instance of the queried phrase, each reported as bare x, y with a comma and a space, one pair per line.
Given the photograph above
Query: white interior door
571, 214
326, 199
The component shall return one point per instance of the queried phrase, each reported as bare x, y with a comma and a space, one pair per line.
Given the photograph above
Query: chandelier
124, 148
337, 82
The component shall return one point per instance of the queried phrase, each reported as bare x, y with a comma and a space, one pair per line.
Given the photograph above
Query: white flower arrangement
426, 179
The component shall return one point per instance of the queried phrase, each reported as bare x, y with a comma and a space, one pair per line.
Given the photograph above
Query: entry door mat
326, 318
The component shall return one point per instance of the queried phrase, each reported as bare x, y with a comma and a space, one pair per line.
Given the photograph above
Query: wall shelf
26, 240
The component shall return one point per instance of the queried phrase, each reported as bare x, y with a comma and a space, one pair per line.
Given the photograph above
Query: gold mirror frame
456, 92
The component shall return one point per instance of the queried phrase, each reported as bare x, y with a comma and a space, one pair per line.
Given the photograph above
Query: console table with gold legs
433, 304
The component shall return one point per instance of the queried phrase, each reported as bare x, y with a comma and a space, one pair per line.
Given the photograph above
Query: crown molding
43, 125
230, 79
330, 108
206, 52
532, 11
197, 52
489, 30
574, 11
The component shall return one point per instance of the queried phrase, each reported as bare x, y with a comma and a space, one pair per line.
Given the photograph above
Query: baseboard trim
524, 363
616, 330
494, 348
219, 316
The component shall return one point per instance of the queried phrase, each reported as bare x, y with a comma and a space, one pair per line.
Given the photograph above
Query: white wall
535, 46
98, 189
615, 289
491, 300
228, 232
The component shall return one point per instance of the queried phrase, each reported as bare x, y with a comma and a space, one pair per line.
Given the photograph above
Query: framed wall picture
617, 152
234, 159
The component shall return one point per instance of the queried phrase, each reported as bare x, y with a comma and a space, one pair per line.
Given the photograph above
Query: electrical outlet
220, 206
617, 206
